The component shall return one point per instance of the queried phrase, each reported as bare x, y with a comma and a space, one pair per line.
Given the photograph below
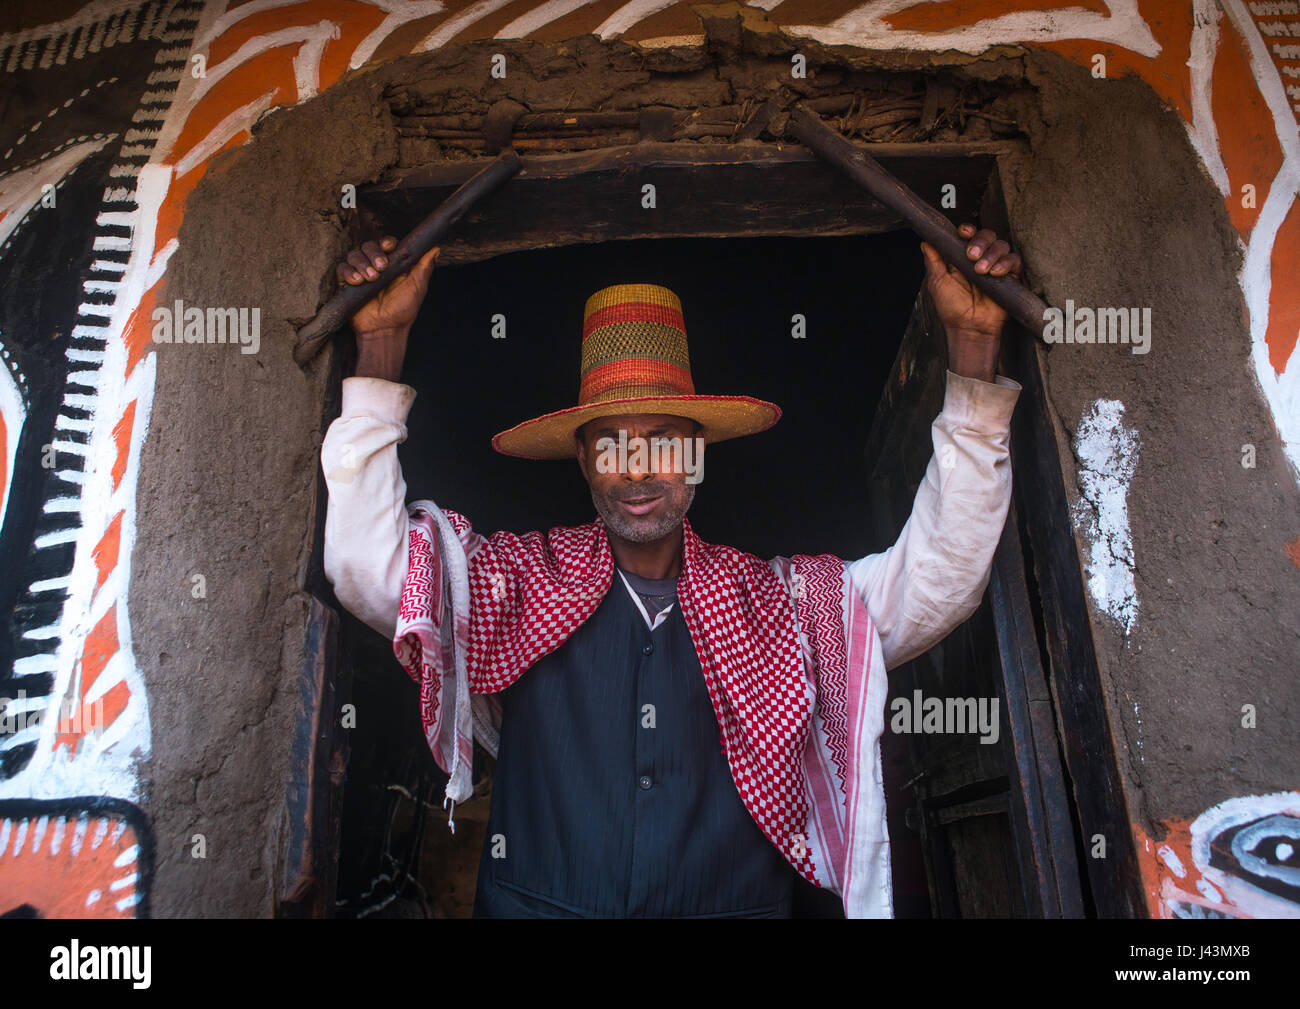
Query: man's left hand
972, 320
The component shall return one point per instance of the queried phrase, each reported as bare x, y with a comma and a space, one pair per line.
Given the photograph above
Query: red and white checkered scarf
789, 654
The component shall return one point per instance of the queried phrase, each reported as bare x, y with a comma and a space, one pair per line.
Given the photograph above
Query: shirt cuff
378, 398
978, 405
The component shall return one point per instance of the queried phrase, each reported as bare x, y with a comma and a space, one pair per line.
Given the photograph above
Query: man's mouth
641, 505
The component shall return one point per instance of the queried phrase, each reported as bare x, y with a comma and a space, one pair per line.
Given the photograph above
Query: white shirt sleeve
934, 575
917, 591
366, 528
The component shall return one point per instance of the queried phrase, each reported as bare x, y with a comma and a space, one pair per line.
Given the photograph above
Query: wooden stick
807, 127
344, 304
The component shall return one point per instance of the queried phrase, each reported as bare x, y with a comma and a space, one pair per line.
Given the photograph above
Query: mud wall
1181, 495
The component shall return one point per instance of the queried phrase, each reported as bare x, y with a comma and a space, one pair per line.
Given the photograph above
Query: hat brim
551, 435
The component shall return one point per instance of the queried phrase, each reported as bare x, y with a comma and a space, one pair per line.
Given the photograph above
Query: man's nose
639, 466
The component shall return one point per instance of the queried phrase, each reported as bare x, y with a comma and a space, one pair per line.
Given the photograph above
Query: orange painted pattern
1167, 892
85, 717
1167, 72
1248, 146
1233, 861
1284, 319
107, 549
1251, 151
122, 442
65, 867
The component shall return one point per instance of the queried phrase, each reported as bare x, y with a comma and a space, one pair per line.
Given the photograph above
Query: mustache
635, 495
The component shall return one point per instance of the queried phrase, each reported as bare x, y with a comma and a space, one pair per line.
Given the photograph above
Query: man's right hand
383, 323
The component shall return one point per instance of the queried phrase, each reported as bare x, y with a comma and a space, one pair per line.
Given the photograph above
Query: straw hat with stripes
635, 360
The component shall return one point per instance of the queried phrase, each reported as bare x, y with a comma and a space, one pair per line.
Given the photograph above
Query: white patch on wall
1107, 453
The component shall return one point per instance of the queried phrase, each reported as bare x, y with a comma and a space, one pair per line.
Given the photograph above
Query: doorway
832, 329
813, 324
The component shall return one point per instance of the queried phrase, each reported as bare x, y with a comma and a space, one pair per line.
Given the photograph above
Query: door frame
1067, 776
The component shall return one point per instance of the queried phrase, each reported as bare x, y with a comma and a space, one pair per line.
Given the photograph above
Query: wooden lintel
652, 154
750, 188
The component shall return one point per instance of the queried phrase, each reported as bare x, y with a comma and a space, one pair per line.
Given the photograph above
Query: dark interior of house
799, 487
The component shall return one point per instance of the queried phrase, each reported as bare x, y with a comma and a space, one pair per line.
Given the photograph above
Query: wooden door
979, 829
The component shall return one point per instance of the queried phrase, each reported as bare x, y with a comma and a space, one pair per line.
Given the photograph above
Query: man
676, 746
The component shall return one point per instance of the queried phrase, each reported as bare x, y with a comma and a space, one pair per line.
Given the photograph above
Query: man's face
637, 503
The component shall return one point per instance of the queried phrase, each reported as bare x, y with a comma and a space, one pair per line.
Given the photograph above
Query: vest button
644, 781
648, 649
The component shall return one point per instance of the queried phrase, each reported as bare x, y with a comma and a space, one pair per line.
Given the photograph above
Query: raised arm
933, 576
365, 520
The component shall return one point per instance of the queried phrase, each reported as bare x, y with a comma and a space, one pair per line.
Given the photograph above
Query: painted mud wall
152, 571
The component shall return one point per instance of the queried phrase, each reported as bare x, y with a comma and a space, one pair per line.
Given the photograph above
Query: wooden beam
652, 154
854, 160
701, 190
1040, 803
317, 757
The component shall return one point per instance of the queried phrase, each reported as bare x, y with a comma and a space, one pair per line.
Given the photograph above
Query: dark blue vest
612, 797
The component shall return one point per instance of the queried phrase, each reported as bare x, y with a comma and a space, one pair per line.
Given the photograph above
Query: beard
648, 528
